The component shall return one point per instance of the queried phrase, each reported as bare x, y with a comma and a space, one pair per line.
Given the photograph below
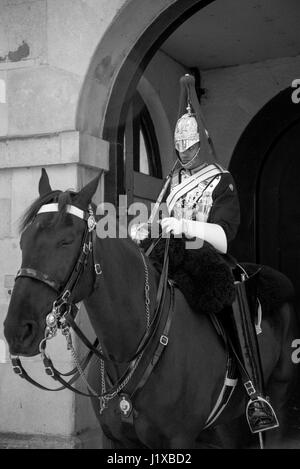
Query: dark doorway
251, 160
278, 224
142, 162
265, 165
278, 207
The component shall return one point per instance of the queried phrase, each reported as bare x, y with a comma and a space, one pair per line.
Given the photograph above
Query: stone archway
115, 69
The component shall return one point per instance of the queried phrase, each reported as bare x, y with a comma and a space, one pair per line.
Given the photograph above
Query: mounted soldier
203, 206
174, 360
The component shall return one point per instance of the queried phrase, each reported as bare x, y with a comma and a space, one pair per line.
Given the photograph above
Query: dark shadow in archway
247, 161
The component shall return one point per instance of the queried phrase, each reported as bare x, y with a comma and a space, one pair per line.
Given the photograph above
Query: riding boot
259, 412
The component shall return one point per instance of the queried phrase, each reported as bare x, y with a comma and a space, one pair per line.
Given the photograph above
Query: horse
169, 407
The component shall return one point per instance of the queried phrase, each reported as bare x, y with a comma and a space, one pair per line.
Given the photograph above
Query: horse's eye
65, 242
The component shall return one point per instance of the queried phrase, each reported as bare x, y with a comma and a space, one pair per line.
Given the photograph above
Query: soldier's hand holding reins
172, 225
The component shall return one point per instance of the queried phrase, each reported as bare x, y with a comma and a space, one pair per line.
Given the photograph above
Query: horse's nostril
28, 331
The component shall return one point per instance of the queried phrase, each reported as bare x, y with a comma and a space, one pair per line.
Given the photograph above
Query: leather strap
86, 341
20, 370
51, 371
163, 342
48, 208
244, 303
37, 275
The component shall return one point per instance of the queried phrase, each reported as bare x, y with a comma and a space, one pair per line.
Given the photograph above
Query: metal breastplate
196, 204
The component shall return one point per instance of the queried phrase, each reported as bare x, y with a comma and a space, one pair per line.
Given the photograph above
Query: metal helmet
190, 127
186, 131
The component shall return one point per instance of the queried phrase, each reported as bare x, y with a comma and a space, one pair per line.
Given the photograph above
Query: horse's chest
117, 428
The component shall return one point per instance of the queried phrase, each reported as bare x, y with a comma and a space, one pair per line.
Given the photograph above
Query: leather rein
64, 311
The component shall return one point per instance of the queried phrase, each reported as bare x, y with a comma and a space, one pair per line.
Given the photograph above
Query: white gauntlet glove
172, 224
210, 232
139, 231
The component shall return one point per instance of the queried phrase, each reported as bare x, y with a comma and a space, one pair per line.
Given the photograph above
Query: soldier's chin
186, 161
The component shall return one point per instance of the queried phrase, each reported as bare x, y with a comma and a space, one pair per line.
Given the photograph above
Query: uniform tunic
213, 200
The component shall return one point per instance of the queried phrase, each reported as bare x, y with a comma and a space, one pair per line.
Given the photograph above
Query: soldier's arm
223, 220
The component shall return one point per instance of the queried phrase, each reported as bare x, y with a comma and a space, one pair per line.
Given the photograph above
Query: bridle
88, 246
64, 310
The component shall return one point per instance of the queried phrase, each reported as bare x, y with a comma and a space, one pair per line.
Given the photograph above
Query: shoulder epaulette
223, 170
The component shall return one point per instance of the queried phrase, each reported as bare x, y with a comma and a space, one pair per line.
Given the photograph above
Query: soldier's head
191, 139
187, 139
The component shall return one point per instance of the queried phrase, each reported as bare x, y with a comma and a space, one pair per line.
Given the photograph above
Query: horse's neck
117, 308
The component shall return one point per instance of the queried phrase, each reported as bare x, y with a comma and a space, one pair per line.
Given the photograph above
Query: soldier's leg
259, 412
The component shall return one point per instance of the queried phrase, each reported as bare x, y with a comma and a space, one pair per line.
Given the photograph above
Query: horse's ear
84, 197
44, 184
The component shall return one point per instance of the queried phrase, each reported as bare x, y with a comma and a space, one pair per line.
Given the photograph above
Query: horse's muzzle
22, 339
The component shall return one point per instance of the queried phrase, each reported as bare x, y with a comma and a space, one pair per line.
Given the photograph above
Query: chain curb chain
147, 292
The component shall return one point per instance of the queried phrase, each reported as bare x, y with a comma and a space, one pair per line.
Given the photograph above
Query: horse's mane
62, 198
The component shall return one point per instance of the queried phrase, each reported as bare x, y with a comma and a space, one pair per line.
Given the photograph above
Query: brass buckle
249, 388
66, 296
17, 369
164, 340
49, 371
98, 269
91, 222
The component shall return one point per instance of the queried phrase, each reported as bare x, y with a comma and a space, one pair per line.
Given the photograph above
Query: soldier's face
191, 155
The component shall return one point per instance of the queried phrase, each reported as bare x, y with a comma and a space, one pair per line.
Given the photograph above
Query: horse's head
50, 244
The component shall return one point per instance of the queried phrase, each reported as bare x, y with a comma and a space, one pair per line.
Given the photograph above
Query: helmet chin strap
191, 161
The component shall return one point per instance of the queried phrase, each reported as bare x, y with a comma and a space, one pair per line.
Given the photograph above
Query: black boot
259, 412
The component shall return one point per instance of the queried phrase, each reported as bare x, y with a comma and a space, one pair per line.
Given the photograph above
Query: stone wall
45, 49
235, 94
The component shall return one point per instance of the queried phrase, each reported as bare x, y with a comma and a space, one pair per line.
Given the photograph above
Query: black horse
172, 407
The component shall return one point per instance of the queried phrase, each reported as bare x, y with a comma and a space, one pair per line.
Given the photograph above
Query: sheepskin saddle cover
202, 275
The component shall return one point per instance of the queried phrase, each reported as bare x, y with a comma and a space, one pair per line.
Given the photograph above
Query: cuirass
196, 203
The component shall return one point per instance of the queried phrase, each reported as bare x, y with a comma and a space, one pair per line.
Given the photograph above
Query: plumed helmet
186, 131
190, 127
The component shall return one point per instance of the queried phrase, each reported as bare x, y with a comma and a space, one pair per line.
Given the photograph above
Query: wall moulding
67, 147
